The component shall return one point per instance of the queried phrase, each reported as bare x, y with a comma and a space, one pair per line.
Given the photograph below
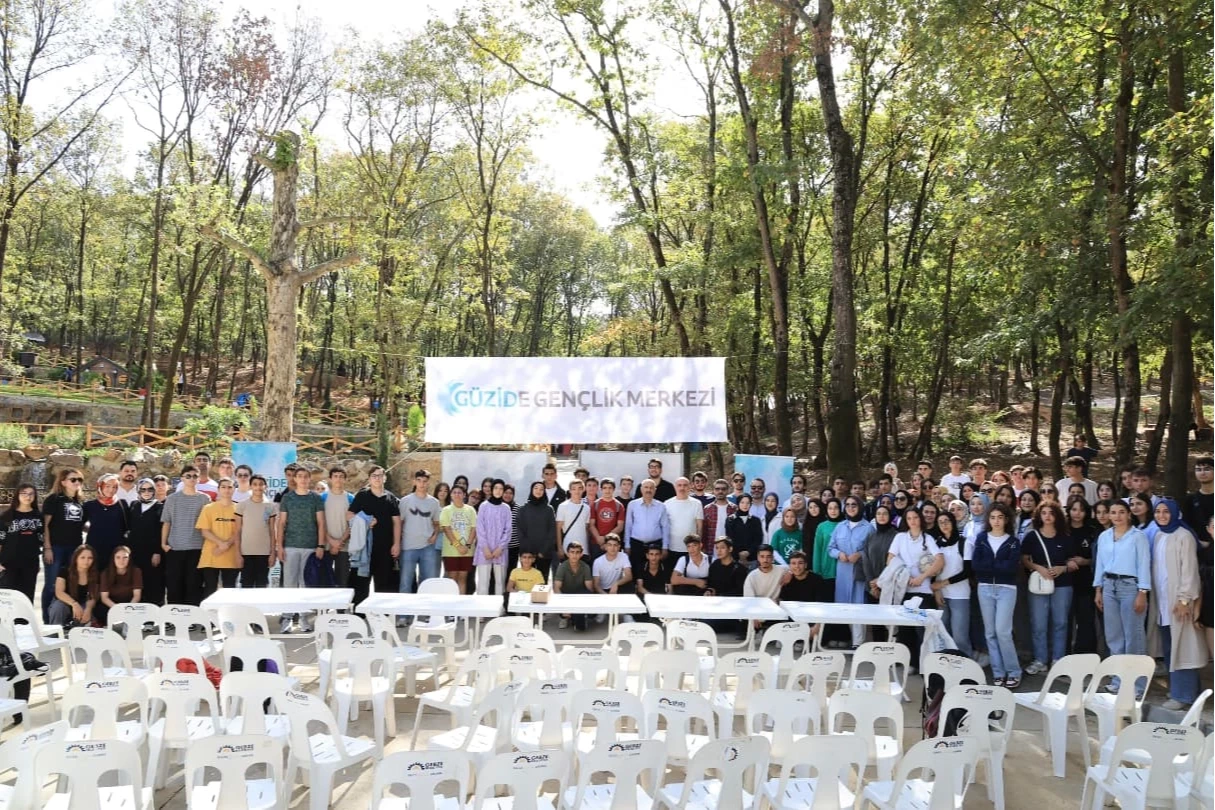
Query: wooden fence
100, 437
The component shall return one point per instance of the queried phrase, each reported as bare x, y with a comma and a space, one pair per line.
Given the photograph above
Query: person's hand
48, 556
786, 577
915, 582
335, 547
744, 555
710, 592
560, 554
371, 523
1072, 566
940, 598
1140, 602
155, 560
854, 558
1181, 612
1099, 602
396, 550
320, 553
78, 613
430, 542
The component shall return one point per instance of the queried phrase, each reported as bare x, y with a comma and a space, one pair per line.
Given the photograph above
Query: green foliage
415, 421
13, 437
216, 422
67, 438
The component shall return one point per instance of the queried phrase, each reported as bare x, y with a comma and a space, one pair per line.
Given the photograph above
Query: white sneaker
285, 625
1035, 668
627, 618
984, 660
564, 623
601, 618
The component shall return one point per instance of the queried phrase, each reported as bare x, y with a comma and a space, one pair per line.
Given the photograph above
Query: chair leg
321, 791
995, 780
1058, 743
341, 710
154, 754
417, 721
1085, 744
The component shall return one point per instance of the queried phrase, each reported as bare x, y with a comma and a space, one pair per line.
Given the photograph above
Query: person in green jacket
824, 565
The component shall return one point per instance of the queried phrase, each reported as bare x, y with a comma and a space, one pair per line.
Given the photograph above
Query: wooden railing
100, 437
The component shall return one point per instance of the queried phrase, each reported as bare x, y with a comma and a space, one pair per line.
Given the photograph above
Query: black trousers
21, 577
212, 577
153, 581
183, 580
1084, 620
385, 577
256, 572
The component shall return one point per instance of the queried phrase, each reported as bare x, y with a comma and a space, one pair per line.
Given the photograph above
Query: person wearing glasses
62, 529
738, 485
244, 484
700, 483
143, 538
758, 488
204, 482
181, 542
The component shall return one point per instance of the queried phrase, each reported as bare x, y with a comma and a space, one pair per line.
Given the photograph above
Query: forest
883, 214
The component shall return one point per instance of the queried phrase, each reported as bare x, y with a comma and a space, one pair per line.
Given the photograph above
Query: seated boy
573, 576
526, 576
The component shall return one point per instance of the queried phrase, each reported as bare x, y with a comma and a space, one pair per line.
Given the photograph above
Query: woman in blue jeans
997, 557
952, 585
1049, 551
1122, 579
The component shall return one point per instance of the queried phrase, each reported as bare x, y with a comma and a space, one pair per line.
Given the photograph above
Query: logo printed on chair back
235, 751
730, 754
946, 661
554, 687
37, 737
86, 749
102, 686
177, 684
424, 768
638, 632
822, 658
298, 698
1166, 732
748, 661
599, 703
91, 632
948, 745
591, 653
167, 641
980, 691
625, 749
179, 610
883, 648
674, 704
530, 759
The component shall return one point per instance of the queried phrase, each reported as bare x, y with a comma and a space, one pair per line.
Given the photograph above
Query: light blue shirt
1128, 556
647, 523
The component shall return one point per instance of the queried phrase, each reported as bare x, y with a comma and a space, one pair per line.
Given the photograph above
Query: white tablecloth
612, 604
756, 608
282, 600
414, 604
936, 637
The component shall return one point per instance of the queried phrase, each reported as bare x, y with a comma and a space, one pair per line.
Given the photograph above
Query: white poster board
615, 464
577, 400
518, 468
774, 470
267, 460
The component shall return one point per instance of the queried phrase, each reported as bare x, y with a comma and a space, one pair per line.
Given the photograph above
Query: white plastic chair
783, 718
949, 762
530, 638
738, 675
988, 713
1115, 711
613, 714
591, 667
82, 766
106, 703
101, 653
740, 765
818, 672
688, 634
365, 669
232, 758
241, 620
791, 639
522, 664
24, 621
952, 670
7, 639
318, 755
1154, 786
1193, 717
670, 669
179, 620
836, 764
488, 733
476, 676
11, 706
523, 777
251, 704
1057, 708
161, 654
326, 630
410, 658
16, 754
497, 630
174, 720
133, 617
631, 642
890, 662
546, 705
683, 721
871, 714
635, 768
1199, 781
421, 774
432, 631
255, 654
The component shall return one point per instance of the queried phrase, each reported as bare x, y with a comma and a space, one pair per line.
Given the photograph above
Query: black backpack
930, 706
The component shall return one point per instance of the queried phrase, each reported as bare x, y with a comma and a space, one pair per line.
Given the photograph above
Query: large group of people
1101, 566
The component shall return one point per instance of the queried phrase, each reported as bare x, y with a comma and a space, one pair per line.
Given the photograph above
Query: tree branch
321, 221
318, 270
239, 248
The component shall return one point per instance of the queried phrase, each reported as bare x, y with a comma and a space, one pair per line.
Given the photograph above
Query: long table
282, 600
463, 606
936, 637
718, 608
613, 605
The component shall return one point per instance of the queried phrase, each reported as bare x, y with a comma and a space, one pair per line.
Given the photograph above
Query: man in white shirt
572, 517
611, 572
128, 474
687, 516
1074, 468
955, 478
691, 574
767, 578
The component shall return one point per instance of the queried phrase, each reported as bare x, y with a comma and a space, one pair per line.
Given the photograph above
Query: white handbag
1037, 583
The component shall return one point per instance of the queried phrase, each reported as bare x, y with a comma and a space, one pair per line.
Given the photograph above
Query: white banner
522, 400
267, 459
514, 467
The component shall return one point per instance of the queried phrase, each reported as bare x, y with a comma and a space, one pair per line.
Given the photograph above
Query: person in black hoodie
143, 520
744, 530
537, 525
21, 542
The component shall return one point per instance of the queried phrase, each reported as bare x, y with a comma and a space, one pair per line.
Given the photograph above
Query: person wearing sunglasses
244, 484
181, 542
63, 529
143, 538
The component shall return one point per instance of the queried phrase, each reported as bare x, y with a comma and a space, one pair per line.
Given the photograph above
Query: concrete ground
1028, 779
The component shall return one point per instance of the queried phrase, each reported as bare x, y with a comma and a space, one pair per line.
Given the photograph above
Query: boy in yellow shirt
525, 577
220, 559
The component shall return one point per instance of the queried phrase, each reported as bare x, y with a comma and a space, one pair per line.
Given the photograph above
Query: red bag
214, 675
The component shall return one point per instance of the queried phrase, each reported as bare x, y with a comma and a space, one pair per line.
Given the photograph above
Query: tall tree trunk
923, 442
81, 237
1035, 418
1162, 413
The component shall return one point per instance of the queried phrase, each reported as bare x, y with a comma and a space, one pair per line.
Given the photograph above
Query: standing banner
267, 460
616, 464
580, 400
519, 468
775, 470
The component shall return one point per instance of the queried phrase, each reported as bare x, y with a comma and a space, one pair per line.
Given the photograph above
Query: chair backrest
179, 620
871, 713
178, 697
1162, 743
105, 701
612, 711
439, 586
131, 617
546, 702
947, 764
305, 713
98, 648
952, 670
16, 608
525, 664
84, 764
17, 753
820, 673
384, 627
523, 776
530, 638
740, 763
670, 669
232, 757
496, 631
987, 714
681, 714
1194, 714
163, 653
329, 627
496, 711
634, 640
791, 639
885, 659
252, 695
639, 763
1077, 668
784, 714
741, 673
833, 760
591, 666
421, 774
363, 659
254, 653
242, 620
8, 639
688, 634
1128, 669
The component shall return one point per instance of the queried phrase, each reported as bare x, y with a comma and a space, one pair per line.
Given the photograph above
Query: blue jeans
61, 556
997, 602
957, 622
1049, 618
1183, 683
426, 559
1125, 631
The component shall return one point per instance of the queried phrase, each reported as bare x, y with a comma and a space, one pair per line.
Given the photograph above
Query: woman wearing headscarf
816, 513
493, 539
1173, 604
892, 470
873, 557
105, 521
825, 566
771, 513
537, 525
902, 502
744, 530
143, 538
846, 545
